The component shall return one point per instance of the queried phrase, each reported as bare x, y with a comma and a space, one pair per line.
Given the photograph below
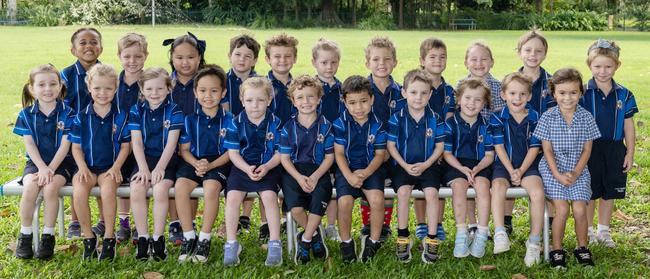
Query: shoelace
558, 257
584, 255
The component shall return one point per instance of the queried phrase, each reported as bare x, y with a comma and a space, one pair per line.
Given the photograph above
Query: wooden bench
13, 22
468, 23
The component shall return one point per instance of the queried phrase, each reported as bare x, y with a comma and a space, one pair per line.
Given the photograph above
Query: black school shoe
318, 246
264, 234
142, 249
348, 252
202, 251
108, 249
24, 246
158, 248
583, 255
46, 247
90, 248
558, 259
301, 255
188, 246
368, 248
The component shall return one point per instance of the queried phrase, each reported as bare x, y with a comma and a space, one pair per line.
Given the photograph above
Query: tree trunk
401, 14
11, 10
309, 12
538, 6
354, 13
297, 8
551, 5
328, 12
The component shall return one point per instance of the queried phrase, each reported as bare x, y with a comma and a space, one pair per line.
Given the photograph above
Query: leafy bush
377, 21
107, 12
45, 13
561, 20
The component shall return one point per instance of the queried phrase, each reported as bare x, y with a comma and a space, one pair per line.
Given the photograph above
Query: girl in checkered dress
566, 132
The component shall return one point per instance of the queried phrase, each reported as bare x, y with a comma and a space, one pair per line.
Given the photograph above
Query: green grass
26, 47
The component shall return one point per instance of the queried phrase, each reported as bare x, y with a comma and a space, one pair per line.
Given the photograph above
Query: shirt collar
91, 110
274, 80
479, 119
60, 106
591, 84
232, 75
165, 102
392, 86
337, 83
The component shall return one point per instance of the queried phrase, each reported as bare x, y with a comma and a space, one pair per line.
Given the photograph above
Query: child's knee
404, 193
345, 203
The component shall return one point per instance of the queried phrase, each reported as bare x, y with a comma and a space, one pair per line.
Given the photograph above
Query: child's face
417, 95
326, 63
306, 100
46, 87
472, 101
255, 102
87, 47
516, 95
209, 92
435, 62
603, 68
132, 59
186, 59
380, 62
478, 62
155, 91
102, 90
532, 53
242, 59
359, 104
281, 59
567, 95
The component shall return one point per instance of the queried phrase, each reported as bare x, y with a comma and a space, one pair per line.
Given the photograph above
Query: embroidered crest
392, 104
320, 138
480, 138
447, 100
114, 128
60, 125
619, 104
371, 139
429, 132
222, 132
545, 93
269, 136
167, 124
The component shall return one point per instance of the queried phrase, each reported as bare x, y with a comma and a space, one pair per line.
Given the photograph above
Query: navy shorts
170, 170
453, 173
500, 171
431, 177
239, 181
65, 169
316, 201
608, 181
220, 174
376, 181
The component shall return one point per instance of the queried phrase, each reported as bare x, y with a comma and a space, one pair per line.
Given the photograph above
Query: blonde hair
417, 75
474, 83
102, 70
517, 77
479, 44
533, 34
302, 82
605, 48
380, 42
429, 44
154, 73
256, 82
131, 39
325, 45
282, 40
28, 98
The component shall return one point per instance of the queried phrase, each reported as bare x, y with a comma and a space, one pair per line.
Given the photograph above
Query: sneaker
318, 246
99, 229
124, 233
90, 248
74, 231
274, 253
368, 248
244, 225
264, 234
440, 232
134, 236
24, 246
583, 255
202, 251
403, 249
501, 242
283, 226
507, 224
301, 254
331, 233
477, 249
421, 231
385, 233
605, 237
108, 249
175, 233
348, 251
430, 250
461, 245
532, 254
231, 254
158, 249
365, 230
142, 249
558, 259
45, 247
592, 236
471, 234
188, 246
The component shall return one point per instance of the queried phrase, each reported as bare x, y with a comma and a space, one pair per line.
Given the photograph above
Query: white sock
348, 241
204, 236
461, 228
603, 228
48, 230
145, 235
189, 235
26, 230
305, 240
123, 216
263, 223
174, 222
483, 230
473, 225
231, 241
156, 237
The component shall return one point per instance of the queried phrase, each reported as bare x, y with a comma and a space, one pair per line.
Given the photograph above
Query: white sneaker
501, 242
605, 237
532, 254
592, 236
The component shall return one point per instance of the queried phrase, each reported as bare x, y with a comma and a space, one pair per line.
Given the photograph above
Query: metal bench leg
61, 219
546, 234
291, 234
35, 222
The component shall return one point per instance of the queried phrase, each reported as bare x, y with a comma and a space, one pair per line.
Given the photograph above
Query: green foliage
264, 22
639, 9
107, 12
559, 21
45, 13
377, 21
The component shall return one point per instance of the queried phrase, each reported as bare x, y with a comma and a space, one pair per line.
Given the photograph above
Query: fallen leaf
71, 248
288, 272
519, 276
11, 247
265, 246
487, 267
5, 213
152, 275
124, 251
640, 123
621, 216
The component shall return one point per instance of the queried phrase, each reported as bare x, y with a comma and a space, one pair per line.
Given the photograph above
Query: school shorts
239, 181
500, 171
65, 169
170, 170
220, 174
431, 177
453, 173
316, 201
608, 181
375, 181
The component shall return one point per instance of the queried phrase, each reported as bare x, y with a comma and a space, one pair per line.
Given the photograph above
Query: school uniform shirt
256, 143
495, 91
542, 98
183, 95
331, 104
47, 131
465, 141
386, 102
233, 82
307, 144
74, 78
516, 138
443, 99
281, 106
155, 124
568, 142
609, 111
415, 140
127, 95
206, 134
100, 137
359, 141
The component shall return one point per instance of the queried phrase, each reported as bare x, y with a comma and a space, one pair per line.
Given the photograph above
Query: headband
200, 44
601, 43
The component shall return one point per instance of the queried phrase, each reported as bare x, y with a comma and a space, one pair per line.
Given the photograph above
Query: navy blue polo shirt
415, 140
517, 138
127, 95
307, 144
542, 98
206, 134
74, 77
386, 102
465, 141
359, 141
443, 99
331, 104
609, 111
155, 125
281, 106
183, 95
233, 82
256, 143
47, 131
100, 138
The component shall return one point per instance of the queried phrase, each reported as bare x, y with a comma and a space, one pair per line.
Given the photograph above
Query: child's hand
628, 162
250, 171
361, 173
515, 177
142, 176
115, 174
202, 166
261, 171
84, 174
157, 175
354, 180
469, 173
418, 168
44, 176
564, 179
305, 184
313, 181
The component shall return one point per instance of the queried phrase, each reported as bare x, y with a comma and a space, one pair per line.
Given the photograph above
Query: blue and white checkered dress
568, 142
495, 88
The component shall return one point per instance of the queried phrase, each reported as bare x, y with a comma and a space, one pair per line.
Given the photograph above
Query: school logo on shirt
429, 132
167, 124
392, 104
60, 125
480, 138
447, 100
619, 104
269, 136
320, 138
114, 128
371, 139
546, 92
222, 132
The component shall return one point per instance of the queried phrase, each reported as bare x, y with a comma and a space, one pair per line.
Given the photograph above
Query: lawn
25, 47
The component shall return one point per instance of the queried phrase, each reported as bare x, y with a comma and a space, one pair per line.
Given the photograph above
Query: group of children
231, 131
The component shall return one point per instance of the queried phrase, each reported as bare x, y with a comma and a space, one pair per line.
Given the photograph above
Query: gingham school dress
568, 142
